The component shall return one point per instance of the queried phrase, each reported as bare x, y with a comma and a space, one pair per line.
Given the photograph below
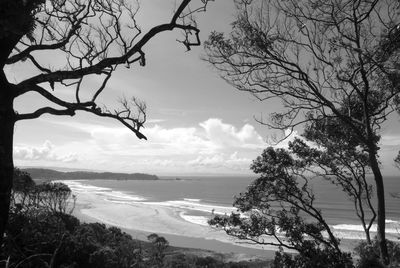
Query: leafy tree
22, 186
91, 38
53, 238
104, 258
209, 262
52, 197
160, 244
336, 157
55, 197
60, 239
281, 204
179, 261
322, 59
22, 181
369, 254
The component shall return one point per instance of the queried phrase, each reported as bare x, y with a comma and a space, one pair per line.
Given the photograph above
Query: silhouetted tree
334, 155
56, 197
322, 59
22, 181
279, 209
89, 39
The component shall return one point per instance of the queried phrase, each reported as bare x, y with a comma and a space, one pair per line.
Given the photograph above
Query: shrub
369, 254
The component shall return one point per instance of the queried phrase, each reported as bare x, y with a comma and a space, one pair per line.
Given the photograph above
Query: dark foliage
369, 255
93, 39
278, 209
22, 181
324, 60
316, 259
41, 174
157, 253
41, 234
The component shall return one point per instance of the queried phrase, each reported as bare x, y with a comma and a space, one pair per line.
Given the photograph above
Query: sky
196, 122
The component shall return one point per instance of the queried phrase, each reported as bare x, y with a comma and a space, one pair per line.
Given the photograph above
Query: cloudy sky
197, 123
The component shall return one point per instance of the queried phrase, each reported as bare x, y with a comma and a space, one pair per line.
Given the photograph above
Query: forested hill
49, 174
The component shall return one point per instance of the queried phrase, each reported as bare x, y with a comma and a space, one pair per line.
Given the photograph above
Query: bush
104, 257
22, 181
179, 261
316, 258
41, 234
369, 254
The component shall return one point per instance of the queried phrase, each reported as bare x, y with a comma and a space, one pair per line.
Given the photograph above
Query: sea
199, 196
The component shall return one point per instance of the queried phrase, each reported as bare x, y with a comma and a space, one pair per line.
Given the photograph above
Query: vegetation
334, 66
280, 204
41, 174
279, 208
43, 233
369, 254
90, 39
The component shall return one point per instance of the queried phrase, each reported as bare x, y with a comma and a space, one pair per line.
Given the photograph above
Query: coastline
177, 221
140, 220
230, 251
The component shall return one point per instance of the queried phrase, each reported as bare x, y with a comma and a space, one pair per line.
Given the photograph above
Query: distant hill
43, 174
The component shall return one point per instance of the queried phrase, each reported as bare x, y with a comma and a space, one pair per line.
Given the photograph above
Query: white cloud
209, 137
290, 136
154, 121
283, 141
231, 161
208, 146
45, 152
390, 140
226, 135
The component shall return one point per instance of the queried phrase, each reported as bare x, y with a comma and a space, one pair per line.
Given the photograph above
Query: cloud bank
45, 152
210, 146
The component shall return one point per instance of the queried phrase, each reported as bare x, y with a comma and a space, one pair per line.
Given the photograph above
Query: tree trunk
380, 193
7, 120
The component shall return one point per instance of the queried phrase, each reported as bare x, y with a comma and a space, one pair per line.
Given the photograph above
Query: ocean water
196, 197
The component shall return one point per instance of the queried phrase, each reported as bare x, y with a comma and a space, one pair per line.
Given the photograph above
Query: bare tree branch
95, 37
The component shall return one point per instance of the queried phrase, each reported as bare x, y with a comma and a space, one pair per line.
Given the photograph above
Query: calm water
199, 195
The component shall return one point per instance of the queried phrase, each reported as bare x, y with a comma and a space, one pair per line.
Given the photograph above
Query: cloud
289, 136
153, 121
208, 146
45, 152
226, 135
283, 140
231, 161
390, 140
208, 137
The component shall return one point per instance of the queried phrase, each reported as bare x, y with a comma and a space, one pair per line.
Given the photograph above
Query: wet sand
140, 219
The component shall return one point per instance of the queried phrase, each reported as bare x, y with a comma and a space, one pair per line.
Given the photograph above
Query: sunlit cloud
44, 152
208, 146
226, 135
208, 137
283, 140
390, 140
232, 161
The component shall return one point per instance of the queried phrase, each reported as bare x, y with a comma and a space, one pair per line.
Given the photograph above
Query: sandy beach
176, 220
139, 219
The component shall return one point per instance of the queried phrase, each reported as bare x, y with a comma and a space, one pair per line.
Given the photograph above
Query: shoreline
230, 250
139, 218
208, 247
